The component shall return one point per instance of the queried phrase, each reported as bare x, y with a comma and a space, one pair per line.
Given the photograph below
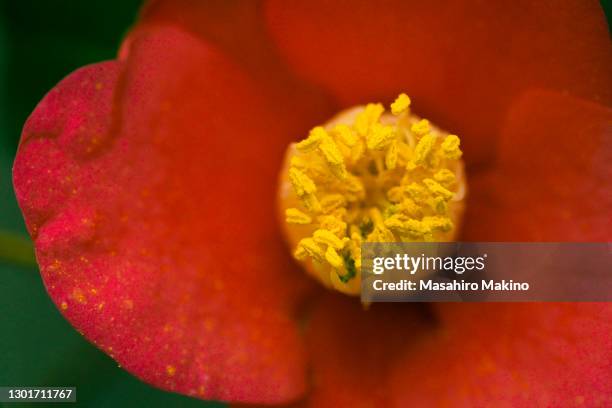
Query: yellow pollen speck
170, 370
370, 176
401, 104
64, 305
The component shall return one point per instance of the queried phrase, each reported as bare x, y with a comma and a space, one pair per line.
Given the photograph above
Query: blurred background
42, 41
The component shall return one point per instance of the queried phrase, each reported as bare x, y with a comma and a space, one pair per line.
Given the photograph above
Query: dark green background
41, 41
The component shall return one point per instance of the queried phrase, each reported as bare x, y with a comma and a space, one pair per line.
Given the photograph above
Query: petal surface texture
462, 62
148, 185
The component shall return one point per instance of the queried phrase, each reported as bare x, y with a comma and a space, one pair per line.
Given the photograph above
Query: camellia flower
149, 186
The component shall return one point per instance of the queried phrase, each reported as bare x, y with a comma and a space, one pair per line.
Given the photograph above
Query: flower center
369, 176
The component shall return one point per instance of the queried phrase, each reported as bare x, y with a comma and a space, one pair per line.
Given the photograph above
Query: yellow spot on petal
77, 294
170, 370
64, 305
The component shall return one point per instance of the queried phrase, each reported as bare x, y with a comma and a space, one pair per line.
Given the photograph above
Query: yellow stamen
326, 237
450, 147
370, 177
401, 104
295, 216
333, 258
421, 127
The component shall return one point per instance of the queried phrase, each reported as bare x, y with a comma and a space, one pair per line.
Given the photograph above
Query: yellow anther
368, 117
416, 192
302, 184
333, 258
311, 202
395, 194
391, 156
443, 224
410, 208
381, 234
435, 188
332, 202
309, 247
345, 135
439, 205
327, 237
407, 227
421, 128
332, 156
423, 150
333, 224
295, 216
312, 141
353, 188
299, 163
450, 147
401, 104
445, 177
380, 136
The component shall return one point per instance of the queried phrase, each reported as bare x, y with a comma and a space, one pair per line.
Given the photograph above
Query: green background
41, 41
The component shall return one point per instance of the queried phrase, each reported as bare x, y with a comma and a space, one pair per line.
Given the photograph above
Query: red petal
237, 27
461, 61
511, 355
353, 351
502, 355
553, 178
149, 187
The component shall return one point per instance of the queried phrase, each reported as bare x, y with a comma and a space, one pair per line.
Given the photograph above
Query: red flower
148, 186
